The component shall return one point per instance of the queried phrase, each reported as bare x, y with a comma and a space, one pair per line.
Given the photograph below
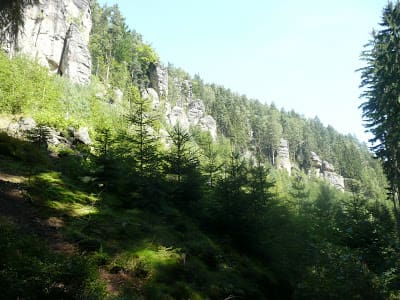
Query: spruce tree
143, 138
381, 83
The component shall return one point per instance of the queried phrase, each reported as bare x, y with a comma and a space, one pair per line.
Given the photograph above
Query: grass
61, 194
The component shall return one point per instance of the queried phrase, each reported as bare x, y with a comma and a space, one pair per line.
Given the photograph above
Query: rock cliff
56, 33
180, 107
159, 80
283, 159
324, 170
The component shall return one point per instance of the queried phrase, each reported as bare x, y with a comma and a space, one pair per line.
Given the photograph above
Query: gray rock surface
196, 111
187, 90
194, 117
26, 124
326, 166
55, 138
334, 179
176, 116
23, 128
208, 123
44, 35
159, 80
315, 160
151, 93
182, 92
75, 60
325, 170
283, 158
82, 135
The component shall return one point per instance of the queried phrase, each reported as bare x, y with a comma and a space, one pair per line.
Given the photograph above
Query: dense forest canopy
147, 210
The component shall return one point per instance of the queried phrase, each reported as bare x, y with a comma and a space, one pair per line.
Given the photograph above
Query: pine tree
259, 186
143, 139
182, 156
381, 109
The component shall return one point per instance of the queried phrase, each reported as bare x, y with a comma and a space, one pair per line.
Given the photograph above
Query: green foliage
26, 87
119, 55
182, 157
198, 220
143, 139
381, 94
329, 278
251, 125
28, 270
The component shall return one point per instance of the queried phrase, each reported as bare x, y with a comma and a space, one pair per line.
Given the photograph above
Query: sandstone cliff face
283, 159
324, 170
56, 33
159, 80
180, 107
75, 60
151, 94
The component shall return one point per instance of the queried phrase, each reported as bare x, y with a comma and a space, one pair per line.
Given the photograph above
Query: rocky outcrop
334, 179
26, 127
151, 93
75, 60
195, 117
208, 123
316, 161
180, 107
159, 80
82, 135
283, 158
196, 111
56, 34
176, 116
182, 92
325, 170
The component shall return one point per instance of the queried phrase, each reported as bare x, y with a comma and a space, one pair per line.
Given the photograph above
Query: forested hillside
248, 124
149, 183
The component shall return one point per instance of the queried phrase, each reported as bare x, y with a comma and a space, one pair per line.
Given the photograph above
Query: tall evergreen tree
381, 109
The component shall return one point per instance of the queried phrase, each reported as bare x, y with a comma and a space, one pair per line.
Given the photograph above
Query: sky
300, 55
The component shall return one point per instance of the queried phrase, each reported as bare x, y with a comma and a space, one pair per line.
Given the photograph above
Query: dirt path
17, 207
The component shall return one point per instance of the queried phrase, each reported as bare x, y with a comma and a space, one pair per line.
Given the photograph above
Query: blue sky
301, 55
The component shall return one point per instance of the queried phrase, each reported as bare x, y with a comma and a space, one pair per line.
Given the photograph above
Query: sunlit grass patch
145, 261
58, 193
73, 209
159, 256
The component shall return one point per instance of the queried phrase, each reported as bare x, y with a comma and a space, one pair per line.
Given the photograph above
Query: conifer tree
181, 157
381, 108
143, 138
